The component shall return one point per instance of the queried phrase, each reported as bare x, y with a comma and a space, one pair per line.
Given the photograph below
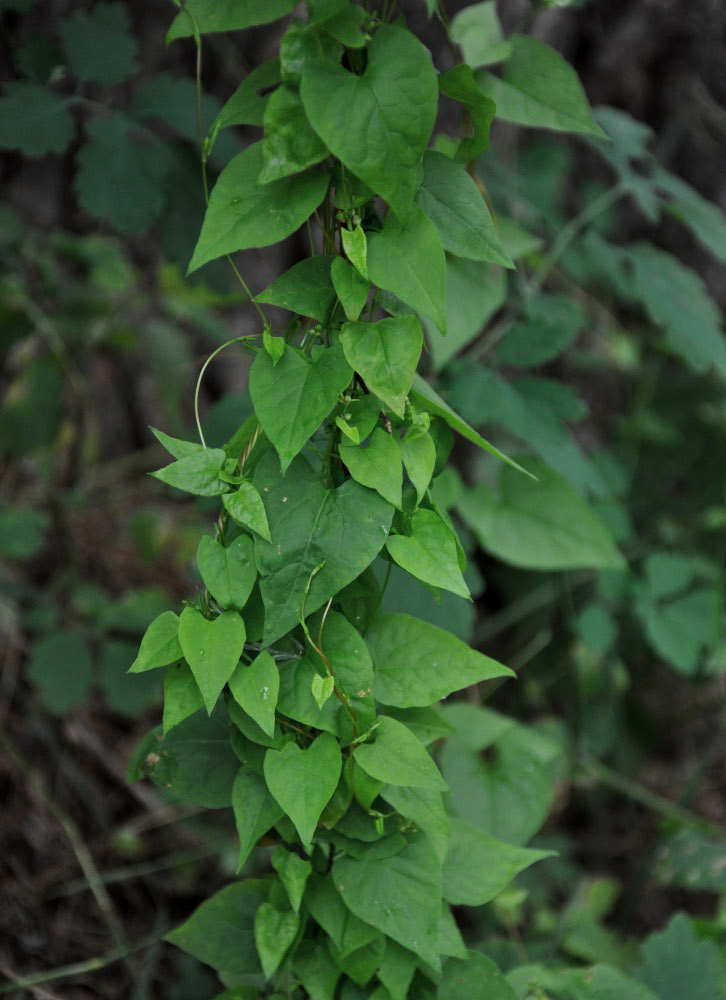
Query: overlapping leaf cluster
289, 695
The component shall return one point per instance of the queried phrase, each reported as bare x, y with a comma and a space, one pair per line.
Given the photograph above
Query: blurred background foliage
601, 361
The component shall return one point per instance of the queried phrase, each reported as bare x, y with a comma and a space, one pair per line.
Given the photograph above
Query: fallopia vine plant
291, 695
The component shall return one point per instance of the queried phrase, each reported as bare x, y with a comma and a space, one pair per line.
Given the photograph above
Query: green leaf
377, 466
679, 966
346, 931
417, 663
294, 396
322, 688
160, 644
474, 293
306, 288
212, 649
350, 287
289, 144
478, 867
225, 15
668, 572
195, 761
396, 970
255, 688
246, 106
311, 524
317, 970
275, 346
507, 791
243, 214
459, 84
456, 206
418, 453
377, 124
704, 219
680, 629
553, 323
247, 509
473, 978
605, 982
677, 300
478, 31
196, 473
229, 573
220, 932
543, 524
356, 248
397, 757
182, 696
274, 933
407, 258
426, 808
429, 553
348, 26
255, 811
541, 89
34, 120
176, 447
361, 416
399, 896
301, 45
22, 532
121, 174
302, 781
98, 43
293, 872
60, 666
428, 399
385, 354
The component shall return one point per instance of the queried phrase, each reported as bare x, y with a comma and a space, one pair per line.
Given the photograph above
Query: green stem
235, 340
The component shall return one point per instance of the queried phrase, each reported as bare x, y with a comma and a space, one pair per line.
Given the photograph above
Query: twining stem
212, 356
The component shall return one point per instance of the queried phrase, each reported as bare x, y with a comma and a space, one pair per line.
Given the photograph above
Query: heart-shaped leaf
385, 354
274, 933
255, 689
246, 508
302, 781
229, 573
294, 396
429, 553
212, 649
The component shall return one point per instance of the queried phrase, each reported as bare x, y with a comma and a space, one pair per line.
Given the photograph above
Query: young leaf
255, 811
289, 144
294, 396
539, 524
311, 524
160, 644
459, 84
274, 933
175, 446
417, 663
182, 696
220, 931
418, 453
541, 89
211, 15
478, 867
255, 689
243, 214
377, 124
98, 43
229, 573
455, 205
377, 466
196, 473
322, 688
212, 649
356, 248
429, 553
293, 872
398, 758
361, 416
34, 120
302, 781
399, 896
275, 346
385, 354
407, 258
247, 509
306, 289
350, 287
